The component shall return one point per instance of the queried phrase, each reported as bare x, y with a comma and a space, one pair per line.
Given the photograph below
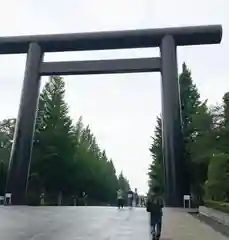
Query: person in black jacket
130, 196
154, 206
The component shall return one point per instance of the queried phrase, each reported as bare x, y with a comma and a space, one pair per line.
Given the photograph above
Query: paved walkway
97, 223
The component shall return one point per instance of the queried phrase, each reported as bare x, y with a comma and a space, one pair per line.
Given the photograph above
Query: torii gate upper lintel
166, 38
183, 36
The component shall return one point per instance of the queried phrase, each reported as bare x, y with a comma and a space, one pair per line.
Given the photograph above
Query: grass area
220, 206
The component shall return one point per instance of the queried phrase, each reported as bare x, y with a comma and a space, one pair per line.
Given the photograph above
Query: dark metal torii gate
167, 39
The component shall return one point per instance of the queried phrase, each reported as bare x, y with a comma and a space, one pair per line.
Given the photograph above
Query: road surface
97, 223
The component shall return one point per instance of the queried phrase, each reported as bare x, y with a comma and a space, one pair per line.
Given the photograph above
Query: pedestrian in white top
120, 198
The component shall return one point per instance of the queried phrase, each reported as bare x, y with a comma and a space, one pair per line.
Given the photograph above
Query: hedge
220, 206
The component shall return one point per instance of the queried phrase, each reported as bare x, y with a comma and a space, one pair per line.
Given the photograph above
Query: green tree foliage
95, 173
6, 138
206, 134
221, 125
53, 146
197, 123
2, 177
67, 160
156, 169
123, 183
217, 185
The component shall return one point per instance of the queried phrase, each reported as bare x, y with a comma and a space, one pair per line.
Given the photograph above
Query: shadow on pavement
217, 226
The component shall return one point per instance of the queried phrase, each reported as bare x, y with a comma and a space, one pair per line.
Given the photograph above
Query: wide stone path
97, 223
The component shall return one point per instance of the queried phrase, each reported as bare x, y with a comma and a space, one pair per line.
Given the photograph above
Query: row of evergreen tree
66, 157
206, 141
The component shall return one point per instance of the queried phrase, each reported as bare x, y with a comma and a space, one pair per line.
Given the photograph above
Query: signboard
187, 197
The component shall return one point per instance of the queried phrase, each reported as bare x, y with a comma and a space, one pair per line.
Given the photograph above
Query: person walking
120, 198
84, 198
154, 206
136, 197
130, 196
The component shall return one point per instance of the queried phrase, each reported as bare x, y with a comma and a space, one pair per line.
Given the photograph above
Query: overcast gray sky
121, 109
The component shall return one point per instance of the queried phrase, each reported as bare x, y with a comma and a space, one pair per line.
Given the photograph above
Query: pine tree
6, 138
223, 129
123, 183
196, 123
156, 169
94, 173
189, 102
226, 109
217, 185
53, 147
2, 177
112, 182
66, 158
197, 128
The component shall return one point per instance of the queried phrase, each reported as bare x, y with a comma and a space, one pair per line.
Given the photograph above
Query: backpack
154, 205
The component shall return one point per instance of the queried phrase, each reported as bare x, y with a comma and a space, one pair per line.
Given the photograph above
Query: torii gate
167, 39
